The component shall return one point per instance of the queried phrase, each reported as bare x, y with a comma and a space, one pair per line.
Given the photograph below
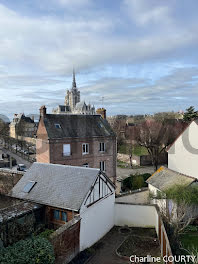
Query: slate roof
77, 126
164, 178
56, 185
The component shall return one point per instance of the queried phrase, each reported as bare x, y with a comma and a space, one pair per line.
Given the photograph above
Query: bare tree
156, 136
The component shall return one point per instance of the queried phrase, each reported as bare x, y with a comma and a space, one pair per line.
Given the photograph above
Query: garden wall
66, 241
135, 215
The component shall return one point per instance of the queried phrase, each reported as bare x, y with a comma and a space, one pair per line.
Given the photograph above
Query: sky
140, 55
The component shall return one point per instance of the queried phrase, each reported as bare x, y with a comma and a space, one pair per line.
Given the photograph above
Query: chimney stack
43, 111
102, 112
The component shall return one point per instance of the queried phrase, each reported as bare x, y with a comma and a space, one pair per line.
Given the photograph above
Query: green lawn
137, 150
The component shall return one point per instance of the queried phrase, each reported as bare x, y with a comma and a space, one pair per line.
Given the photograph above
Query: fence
143, 215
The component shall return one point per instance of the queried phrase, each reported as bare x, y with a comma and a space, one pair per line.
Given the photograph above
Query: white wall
96, 221
136, 215
183, 155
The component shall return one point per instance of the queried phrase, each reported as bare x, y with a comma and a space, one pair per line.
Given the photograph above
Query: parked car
21, 167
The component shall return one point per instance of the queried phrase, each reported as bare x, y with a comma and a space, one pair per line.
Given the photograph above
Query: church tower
73, 95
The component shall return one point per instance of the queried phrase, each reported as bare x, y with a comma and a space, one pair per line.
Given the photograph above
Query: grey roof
164, 178
17, 210
56, 185
79, 126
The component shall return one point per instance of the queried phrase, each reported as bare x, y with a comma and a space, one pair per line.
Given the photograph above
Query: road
19, 159
125, 172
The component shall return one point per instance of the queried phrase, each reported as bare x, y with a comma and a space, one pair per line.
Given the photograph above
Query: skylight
28, 187
57, 126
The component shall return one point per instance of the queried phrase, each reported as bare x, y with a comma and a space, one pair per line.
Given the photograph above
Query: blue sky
140, 55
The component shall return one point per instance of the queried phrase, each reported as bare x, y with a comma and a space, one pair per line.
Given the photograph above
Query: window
57, 126
102, 165
56, 214
66, 149
64, 216
59, 215
28, 187
102, 146
85, 148
86, 165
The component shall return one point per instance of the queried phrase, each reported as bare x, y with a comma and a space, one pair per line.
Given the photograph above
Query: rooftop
164, 178
55, 185
78, 126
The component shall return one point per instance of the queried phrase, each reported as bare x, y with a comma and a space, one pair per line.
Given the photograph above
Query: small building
22, 126
66, 191
77, 140
183, 153
161, 181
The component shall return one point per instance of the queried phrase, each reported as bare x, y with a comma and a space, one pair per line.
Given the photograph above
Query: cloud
145, 12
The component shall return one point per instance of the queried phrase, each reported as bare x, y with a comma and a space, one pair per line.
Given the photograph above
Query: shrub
46, 233
29, 251
136, 181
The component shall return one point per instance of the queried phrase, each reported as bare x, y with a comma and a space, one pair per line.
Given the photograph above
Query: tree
190, 114
4, 130
156, 136
180, 207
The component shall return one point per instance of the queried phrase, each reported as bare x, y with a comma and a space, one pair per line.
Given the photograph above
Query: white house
183, 153
67, 191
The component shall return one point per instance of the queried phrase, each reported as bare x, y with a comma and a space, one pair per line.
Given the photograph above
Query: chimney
102, 112
43, 111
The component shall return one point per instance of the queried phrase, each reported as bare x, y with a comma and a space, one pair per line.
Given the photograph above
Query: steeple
74, 80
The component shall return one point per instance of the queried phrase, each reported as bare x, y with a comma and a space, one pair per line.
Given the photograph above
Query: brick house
76, 140
68, 191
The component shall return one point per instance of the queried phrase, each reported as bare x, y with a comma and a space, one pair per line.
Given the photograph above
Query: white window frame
100, 147
86, 148
103, 167
66, 153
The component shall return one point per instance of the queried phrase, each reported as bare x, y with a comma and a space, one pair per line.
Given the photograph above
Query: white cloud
144, 11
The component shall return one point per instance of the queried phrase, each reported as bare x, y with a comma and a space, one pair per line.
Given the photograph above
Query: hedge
136, 181
30, 251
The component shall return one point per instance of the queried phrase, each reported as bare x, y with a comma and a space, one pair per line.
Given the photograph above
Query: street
19, 159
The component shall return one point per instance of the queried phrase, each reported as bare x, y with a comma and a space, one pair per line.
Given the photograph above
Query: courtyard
125, 241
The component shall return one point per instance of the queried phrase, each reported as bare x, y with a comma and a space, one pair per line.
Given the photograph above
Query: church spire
74, 80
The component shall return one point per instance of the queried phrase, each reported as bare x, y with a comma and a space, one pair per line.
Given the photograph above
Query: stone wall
66, 241
8, 179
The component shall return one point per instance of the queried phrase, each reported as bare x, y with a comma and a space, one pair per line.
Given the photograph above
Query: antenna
102, 100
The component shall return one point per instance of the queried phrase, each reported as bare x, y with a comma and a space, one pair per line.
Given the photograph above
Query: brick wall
66, 240
49, 216
51, 151
8, 179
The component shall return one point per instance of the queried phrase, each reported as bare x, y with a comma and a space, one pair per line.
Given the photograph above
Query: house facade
22, 126
183, 153
68, 191
77, 140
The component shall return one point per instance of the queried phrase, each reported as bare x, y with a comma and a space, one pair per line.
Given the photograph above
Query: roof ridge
70, 166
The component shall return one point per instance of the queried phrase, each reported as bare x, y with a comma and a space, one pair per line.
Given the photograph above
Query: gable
187, 140
102, 188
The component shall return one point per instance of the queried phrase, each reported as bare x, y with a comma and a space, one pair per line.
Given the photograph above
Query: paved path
105, 253
19, 159
125, 172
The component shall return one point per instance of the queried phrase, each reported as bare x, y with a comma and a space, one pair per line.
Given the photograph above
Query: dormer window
57, 126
